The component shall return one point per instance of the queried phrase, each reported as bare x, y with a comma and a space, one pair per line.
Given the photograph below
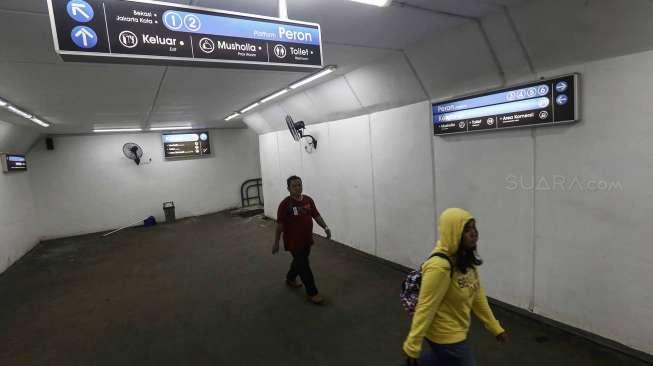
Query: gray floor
207, 291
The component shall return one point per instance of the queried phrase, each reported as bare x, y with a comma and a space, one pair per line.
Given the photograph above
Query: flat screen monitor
14, 163
186, 144
545, 102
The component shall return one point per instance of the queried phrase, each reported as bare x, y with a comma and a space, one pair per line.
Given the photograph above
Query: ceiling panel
469, 8
39, 6
334, 99
260, 7
26, 37
349, 58
301, 108
205, 95
78, 96
347, 22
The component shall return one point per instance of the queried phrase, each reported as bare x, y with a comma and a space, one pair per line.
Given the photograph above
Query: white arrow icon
84, 33
79, 8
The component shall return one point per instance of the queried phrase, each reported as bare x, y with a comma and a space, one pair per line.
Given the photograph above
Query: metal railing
246, 187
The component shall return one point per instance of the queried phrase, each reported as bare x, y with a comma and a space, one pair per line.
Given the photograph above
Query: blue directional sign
80, 10
539, 103
84, 37
155, 32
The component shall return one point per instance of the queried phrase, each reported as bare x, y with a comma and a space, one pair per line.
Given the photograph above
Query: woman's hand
502, 338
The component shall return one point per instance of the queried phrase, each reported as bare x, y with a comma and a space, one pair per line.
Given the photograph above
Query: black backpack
410, 287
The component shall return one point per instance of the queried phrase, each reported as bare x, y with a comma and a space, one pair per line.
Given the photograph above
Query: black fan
297, 131
133, 152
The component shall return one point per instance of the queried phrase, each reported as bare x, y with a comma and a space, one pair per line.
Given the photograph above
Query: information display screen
141, 31
185, 145
546, 102
14, 163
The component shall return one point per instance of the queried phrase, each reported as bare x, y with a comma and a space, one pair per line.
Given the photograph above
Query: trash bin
169, 210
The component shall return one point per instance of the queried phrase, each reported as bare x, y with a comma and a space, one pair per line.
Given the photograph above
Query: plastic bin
169, 210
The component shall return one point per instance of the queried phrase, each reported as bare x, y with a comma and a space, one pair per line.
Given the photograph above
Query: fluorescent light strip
15, 110
277, 94
171, 128
232, 116
19, 112
320, 74
250, 107
39, 122
381, 3
118, 130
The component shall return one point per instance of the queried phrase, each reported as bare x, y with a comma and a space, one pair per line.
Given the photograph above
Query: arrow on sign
84, 34
79, 8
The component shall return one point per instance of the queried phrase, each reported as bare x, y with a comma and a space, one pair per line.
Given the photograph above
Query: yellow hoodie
443, 310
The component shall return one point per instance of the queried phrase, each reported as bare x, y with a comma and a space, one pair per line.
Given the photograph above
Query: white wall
594, 260
18, 223
87, 185
578, 255
371, 199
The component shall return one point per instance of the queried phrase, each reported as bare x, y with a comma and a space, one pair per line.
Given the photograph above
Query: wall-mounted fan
133, 152
297, 131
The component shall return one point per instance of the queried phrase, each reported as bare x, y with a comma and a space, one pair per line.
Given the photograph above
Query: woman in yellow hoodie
446, 300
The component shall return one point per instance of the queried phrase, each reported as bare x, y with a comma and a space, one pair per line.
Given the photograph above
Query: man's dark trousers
300, 266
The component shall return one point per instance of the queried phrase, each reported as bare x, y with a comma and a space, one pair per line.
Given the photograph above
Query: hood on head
450, 229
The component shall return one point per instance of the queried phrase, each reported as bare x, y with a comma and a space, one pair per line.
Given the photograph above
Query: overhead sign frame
106, 36
545, 102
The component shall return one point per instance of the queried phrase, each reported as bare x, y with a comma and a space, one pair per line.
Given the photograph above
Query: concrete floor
207, 291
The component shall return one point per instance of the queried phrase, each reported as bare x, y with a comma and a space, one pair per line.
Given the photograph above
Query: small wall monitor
186, 144
545, 102
14, 163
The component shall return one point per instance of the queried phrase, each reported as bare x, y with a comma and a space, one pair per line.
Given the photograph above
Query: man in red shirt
295, 219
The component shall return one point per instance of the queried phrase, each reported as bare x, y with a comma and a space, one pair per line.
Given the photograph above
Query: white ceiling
76, 97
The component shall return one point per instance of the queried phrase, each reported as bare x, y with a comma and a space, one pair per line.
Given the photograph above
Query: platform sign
14, 163
186, 145
152, 32
545, 102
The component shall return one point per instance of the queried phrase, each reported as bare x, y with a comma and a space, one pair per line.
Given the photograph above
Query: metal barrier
245, 188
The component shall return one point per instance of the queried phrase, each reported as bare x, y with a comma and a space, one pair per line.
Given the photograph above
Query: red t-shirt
296, 217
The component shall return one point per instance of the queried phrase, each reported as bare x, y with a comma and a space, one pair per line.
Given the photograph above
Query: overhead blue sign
540, 103
152, 32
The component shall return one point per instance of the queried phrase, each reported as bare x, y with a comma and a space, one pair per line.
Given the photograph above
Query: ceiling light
374, 2
39, 122
309, 79
19, 112
3, 103
171, 128
118, 130
279, 93
250, 107
232, 116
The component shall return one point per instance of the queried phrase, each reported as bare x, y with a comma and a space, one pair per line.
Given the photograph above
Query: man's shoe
317, 299
293, 284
